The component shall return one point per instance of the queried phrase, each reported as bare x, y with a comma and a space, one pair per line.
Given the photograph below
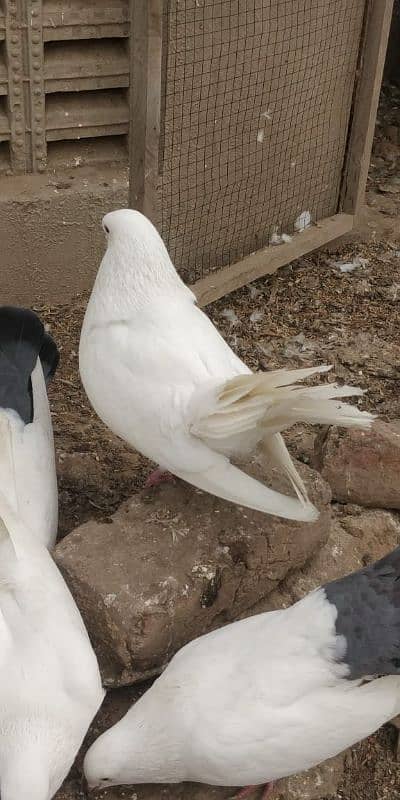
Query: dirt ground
339, 306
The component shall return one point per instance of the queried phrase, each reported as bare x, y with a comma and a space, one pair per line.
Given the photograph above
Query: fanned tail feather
230, 483
275, 448
262, 382
259, 407
273, 402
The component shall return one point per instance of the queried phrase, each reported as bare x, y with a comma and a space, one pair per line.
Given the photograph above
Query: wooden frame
146, 67
372, 61
145, 105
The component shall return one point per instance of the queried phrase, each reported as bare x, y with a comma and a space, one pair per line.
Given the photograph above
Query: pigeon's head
128, 226
136, 259
104, 762
137, 749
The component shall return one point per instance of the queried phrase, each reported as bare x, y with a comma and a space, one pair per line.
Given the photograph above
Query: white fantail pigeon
268, 696
50, 686
159, 374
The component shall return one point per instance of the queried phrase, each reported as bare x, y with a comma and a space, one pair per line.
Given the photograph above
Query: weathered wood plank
145, 82
269, 259
372, 62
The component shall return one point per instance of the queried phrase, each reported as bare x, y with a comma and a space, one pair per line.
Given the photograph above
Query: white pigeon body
50, 687
27, 462
160, 375
268, 696
35, 493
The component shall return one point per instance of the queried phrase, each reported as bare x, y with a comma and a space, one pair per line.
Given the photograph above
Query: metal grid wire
256, 104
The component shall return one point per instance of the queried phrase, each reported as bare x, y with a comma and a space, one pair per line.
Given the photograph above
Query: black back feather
22, 340
368, 606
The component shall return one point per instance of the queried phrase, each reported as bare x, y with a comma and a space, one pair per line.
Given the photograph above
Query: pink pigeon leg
246, 792
267, 790
158, 476
249, 790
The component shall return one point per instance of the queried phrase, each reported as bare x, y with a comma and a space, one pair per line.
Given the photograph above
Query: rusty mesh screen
256, 102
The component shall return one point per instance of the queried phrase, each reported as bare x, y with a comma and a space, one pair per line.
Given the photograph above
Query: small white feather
303, 221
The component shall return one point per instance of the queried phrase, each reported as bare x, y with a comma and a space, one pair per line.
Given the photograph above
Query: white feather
27, 464
50, 686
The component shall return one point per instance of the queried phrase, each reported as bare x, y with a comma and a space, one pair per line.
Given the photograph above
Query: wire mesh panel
256, 99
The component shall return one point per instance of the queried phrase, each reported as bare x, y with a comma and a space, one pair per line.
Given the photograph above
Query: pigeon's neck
153, 765
131, 280
146, 750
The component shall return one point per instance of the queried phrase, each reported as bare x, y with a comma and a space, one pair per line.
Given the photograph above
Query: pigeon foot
396, 724
249, 790
158, 476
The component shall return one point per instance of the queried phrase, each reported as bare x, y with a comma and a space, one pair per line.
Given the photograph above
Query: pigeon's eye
107, 230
